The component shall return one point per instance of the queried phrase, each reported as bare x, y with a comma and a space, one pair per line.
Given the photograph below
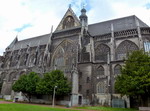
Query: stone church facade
90, 55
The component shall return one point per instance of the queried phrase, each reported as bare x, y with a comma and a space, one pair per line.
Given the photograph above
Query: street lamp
53, 104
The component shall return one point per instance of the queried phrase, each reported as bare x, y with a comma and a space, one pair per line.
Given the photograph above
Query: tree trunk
29, 98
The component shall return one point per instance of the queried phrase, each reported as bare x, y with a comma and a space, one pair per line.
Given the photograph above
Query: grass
27, 107
107, 109
30, 107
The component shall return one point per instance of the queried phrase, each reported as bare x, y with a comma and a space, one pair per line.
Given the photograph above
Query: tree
52, 79
27, 84
135, 77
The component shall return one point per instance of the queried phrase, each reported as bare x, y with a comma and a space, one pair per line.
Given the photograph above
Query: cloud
30, 18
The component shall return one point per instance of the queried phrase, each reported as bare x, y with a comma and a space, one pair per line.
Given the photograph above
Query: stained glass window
101, 52
124, 48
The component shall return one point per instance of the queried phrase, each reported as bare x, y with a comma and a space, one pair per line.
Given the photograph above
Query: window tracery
68, 22
100, 70
101, 52
124, 48
101, 87
65, 56
117, 70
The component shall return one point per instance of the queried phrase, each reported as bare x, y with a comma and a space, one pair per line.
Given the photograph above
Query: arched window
64, 57
101, 52
117, 70
101, 87
100, 70
124, 48
68, 22
59, 58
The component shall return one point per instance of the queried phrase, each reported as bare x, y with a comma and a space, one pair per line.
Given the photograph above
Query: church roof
101, 28
119, 24
32, 42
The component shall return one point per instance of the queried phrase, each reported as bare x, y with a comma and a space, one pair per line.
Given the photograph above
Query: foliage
27, 84
52, 79
135, 77
28, 107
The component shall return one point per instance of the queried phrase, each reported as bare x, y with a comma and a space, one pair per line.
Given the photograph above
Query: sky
31, 18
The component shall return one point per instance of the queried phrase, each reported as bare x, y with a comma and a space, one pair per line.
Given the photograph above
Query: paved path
6, 102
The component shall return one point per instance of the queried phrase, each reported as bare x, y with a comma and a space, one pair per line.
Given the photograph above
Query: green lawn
27, 107
107, 109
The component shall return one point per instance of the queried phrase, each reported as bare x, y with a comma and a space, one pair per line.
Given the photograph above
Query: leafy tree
135, 77
27, 84
52, 79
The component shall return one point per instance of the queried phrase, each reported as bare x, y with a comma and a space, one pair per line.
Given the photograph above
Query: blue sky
23, 27
30, 18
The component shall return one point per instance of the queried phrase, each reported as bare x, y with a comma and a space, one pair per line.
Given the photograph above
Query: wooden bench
144, 108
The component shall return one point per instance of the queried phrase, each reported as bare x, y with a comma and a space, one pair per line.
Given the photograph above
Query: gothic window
65, 56
100, 70
117, 70
101, 52
125, 48
68, 22
59, 58
101, 87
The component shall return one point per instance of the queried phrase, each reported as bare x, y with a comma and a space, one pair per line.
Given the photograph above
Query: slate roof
119, 24
35, 41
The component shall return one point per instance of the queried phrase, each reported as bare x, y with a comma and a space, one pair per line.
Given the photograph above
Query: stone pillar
112, 44
141, 45
3, 87
92, 49
75, 81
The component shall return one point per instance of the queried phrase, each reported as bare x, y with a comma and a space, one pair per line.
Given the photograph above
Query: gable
69, 20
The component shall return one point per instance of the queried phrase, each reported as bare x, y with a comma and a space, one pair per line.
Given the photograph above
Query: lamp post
53, 104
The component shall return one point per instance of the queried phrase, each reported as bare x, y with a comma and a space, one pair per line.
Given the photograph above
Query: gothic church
90, 55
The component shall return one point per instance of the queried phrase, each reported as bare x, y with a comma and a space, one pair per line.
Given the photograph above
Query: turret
84, 19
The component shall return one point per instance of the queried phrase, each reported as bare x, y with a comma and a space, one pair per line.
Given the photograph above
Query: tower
84, 19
